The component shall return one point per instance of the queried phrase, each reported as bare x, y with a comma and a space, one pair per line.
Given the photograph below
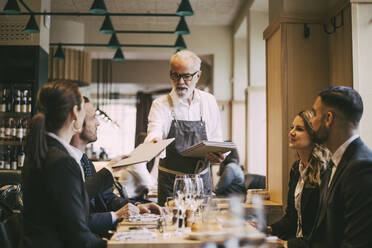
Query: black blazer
286, 227
56, 203
103, 201
345, 218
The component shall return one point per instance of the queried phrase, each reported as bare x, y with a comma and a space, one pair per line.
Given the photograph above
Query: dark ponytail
36, 145
55, 101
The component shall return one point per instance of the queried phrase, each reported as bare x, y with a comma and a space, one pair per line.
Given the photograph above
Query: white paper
144, 153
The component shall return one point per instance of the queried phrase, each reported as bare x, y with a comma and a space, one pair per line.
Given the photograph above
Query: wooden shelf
14, 115
11, 143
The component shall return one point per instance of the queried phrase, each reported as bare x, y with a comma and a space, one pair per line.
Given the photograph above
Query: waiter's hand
215, 157
114, 161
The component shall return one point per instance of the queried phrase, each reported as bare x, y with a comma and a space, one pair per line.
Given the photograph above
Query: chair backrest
254, 181
11, 228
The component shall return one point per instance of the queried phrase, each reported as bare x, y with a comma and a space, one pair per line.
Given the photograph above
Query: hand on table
149, 208
215, 157
128, 209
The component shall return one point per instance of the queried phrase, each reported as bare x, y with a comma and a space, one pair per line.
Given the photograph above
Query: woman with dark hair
231, 176
303, 192
56, 203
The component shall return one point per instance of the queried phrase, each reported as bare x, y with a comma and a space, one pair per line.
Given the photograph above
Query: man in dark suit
106, 207
344, 217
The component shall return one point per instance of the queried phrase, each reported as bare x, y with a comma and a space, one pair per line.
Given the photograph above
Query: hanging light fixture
107, 27
118, 55
11, 7
114, 42
182, 27
98, 7
31, 26
180, 43
59, 55
185, 9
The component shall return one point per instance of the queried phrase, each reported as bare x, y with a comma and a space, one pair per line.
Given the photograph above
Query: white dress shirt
159, 123
71, 151
337, 156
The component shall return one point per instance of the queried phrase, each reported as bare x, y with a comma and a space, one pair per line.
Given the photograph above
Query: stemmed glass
197, 193
181, 196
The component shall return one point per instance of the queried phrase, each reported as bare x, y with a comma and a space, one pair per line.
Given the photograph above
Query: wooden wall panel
340, 52
274, 116
76, 67
307, 71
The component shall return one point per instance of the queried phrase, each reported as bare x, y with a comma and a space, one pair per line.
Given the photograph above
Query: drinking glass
181, 196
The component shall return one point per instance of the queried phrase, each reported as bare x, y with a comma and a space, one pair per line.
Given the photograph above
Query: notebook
203, 147
145, 152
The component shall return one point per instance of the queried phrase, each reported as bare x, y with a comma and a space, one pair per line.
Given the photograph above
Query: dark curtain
144, 101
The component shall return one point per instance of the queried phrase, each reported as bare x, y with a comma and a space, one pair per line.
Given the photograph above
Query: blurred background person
231, 175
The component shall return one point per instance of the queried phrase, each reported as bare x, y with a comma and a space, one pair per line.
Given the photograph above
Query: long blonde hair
320, 155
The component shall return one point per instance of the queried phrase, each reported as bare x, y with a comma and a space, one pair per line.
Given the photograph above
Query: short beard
185, 95
88, 139
321, 136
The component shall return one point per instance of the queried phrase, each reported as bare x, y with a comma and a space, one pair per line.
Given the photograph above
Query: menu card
203, 147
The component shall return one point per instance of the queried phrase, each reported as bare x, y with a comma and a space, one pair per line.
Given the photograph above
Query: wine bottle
24, 102
20, 130
2, 130
2, 160
3, 101
17, 102
21, 157
14, 161
8, 130
13, 129
29, 103
7, 159
9, 101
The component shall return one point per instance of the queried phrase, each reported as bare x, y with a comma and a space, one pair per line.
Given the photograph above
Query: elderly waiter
189, 115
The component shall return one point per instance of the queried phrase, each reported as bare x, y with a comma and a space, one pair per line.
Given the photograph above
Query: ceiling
206, 12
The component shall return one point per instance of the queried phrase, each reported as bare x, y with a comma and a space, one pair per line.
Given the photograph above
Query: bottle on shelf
8, 131
17, 101
21, 157
2, 129
20, 130
9, 100
7, 159
13, 129
3, 101
29, 102
14, 160
25, 128
2, 160
24, 102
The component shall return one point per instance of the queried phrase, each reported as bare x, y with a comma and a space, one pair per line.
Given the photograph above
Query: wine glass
181, 195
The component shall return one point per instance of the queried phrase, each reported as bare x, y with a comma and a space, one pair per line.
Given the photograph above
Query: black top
56, 202
286, 227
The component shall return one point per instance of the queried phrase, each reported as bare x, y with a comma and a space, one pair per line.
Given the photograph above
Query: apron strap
171, 105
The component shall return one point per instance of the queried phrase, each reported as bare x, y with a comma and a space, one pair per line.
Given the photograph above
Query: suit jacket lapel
322, 210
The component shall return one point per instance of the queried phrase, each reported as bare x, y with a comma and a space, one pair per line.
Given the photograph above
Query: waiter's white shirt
159, 123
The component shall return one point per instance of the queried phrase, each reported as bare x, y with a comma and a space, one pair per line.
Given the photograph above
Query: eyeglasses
186, 77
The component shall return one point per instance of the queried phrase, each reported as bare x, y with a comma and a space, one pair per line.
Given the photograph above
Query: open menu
145, 152
203, 147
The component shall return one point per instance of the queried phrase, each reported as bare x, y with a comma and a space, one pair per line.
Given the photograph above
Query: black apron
186, 133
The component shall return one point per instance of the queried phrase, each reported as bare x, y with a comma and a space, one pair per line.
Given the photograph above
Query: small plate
210, 236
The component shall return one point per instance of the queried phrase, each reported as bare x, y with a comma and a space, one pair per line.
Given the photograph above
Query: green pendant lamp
185, 9
118, 55
98, 7
107, 27
11, 7
59, 55
31, 26
114, 42
182, 27
180, 43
